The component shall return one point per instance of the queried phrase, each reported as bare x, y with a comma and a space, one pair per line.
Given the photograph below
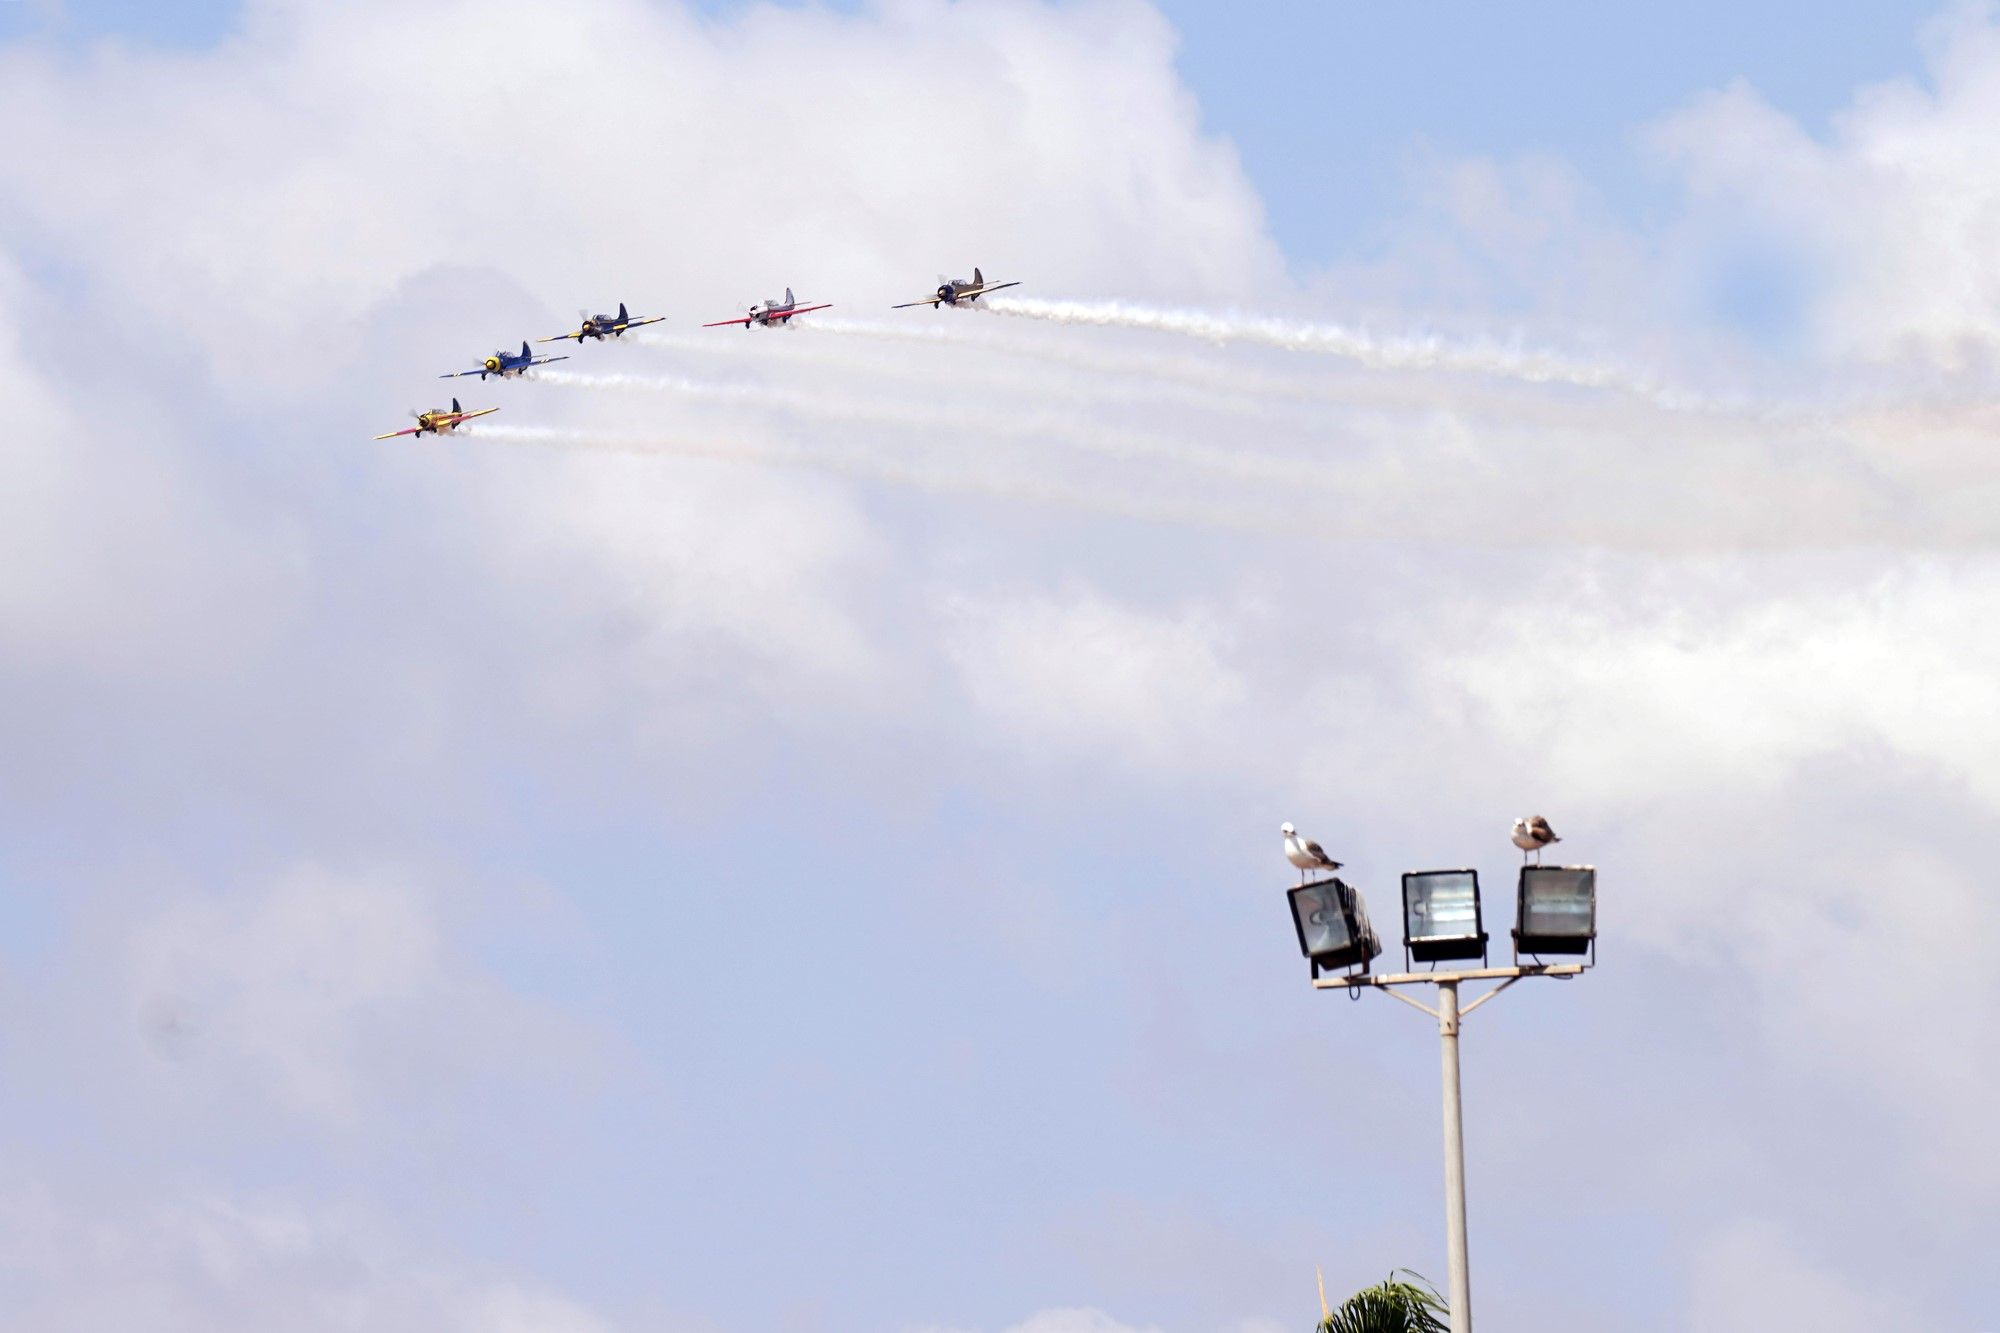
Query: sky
779, 829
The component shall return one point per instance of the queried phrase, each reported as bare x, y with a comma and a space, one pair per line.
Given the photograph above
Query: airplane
954, 290
599, 326
437, 421
505, 364
771, 312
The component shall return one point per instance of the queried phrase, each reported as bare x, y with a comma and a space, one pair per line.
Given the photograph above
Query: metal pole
1454, 1162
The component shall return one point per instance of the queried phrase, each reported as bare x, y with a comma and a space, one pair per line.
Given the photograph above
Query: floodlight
1441, 915
1557, 910
1333, 925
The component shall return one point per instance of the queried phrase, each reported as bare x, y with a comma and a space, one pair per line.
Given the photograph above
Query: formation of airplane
437, 421
505, 364
955, 291
596, 328
772, 312
601, 327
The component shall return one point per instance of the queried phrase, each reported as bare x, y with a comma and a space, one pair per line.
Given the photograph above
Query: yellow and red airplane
437, 421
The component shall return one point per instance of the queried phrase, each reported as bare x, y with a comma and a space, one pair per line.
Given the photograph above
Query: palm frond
1391, 1306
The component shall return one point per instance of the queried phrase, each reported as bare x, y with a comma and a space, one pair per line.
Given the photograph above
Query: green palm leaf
1392, 1306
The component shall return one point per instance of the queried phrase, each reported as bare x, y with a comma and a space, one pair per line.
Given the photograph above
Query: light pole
1441, 916
1454, 1161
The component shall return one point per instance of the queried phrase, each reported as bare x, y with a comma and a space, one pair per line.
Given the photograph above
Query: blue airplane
505, 364
600, 327
956, 291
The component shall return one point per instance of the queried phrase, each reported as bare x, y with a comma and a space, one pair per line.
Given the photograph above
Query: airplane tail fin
524, 350
455, 407
789, 298
622, 316
978, 278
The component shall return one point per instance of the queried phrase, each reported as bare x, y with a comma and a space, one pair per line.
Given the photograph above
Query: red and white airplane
437, 421
771, 312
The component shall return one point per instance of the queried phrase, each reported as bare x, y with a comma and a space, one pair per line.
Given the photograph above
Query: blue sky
779, 830
1329, 103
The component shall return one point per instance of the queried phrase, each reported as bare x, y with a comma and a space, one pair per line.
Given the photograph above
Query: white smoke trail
908, 331
1270, 522
1216, 385
784, 346
1627, 503
1377, 353
998, 419
1111, 379
816, 405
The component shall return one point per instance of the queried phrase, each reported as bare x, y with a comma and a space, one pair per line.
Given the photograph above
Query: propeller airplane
603, 326
505, 364
437, 421
772, 312
956, 291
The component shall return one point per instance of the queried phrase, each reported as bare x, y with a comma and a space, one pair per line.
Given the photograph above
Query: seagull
1531, 835
1305, 854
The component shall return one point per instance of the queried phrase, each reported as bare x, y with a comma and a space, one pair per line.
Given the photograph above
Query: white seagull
1532, 834
1304, 853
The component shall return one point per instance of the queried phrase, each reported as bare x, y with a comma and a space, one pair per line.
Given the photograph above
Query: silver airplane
959, 291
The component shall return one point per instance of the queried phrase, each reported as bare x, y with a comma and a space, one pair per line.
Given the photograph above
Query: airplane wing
638, 323
928, 300
806, 309
538, 361
461, 374
461, 418
996, 286
562, 337
720, 323
394, 433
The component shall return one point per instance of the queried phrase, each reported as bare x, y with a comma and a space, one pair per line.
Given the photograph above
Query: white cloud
1717, 684
318, 212
325, 996
1080, 675
222, 1265
312, 205
114, 558
1074, 1320
1750, 1276
1066, 1319
261, 197
1781, 767
1895, 210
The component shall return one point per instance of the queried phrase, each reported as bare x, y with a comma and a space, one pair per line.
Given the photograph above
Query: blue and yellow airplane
505, 364
605, 326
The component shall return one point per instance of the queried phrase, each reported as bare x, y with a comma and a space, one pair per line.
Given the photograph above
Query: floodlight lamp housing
1556, 911
1441, 916
1332, 925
